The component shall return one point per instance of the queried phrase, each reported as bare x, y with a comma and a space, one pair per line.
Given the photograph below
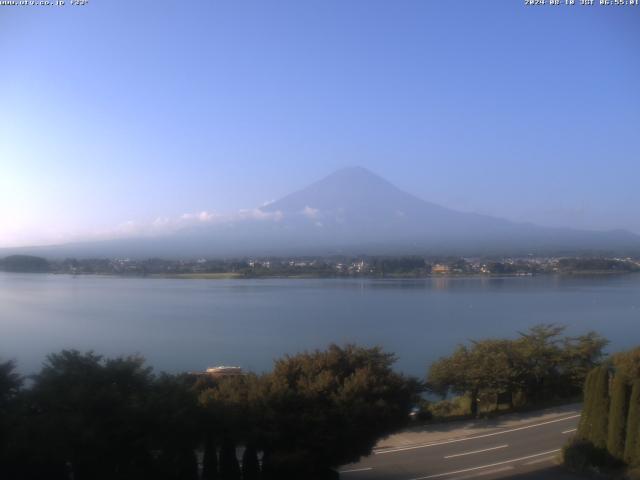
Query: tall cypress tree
186, 465
210, 461
632, 444
175, 463
229, 466
584, 427
250, 464
600, 418
636, 458
268, 470
618, 411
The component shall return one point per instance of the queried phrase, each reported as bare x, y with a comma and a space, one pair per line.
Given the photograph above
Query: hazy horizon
135, 119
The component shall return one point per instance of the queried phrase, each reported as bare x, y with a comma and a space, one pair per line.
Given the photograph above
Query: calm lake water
191, 324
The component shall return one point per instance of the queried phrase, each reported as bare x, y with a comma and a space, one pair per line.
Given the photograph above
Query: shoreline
302, 276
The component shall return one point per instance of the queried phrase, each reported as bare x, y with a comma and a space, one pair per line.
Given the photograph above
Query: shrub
633, 474
456, 407
580, 455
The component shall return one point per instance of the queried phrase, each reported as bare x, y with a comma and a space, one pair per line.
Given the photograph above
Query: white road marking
476, 451
356, 470
413, 447
504, 462
540, 460
569, 431
486, 472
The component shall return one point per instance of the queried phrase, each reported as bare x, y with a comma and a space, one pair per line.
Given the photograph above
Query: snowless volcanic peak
353, 211
351, 189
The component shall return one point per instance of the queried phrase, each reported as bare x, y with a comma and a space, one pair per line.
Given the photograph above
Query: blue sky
121, 111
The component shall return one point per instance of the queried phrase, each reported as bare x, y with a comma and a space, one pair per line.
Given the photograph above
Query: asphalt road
528, 451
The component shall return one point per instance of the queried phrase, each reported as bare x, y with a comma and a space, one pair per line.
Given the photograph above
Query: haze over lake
191, 324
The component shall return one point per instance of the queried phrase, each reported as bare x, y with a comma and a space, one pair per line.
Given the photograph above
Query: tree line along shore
363, 266
83, 416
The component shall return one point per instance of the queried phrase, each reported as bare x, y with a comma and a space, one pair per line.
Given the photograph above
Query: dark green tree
628, 363
10, 383
618, 410
541, 354
452, 375
600, 418
90, 413
24, 263
174, 429
268, 470
580, 355
588, 408
538, 366
229, 466
210, 460
177, 464
632, 443
234, 404
496, 370
471, 371
328, 408
250, 464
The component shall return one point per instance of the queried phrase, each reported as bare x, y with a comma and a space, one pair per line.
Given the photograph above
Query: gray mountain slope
353, 211
356, 206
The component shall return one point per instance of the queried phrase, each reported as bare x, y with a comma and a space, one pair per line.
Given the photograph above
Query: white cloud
257, 214
134, 228
202, 217
310, 212
164, 225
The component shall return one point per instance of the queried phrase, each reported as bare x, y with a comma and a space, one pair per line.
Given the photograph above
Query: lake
188, 324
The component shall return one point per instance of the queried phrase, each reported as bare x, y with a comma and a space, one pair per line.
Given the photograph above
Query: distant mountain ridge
354, 211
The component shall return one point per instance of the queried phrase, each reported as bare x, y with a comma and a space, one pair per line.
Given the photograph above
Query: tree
24, 264
314, 411
328, 408
500, 368
174, 428
90, 413
495, 370
628, 363
618, 411
10, 383
600, 418
234, 405
588, 412
250, 464
632, 443
460, 374
541, 356
229, 466
210, 460
449, 374
580, 355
